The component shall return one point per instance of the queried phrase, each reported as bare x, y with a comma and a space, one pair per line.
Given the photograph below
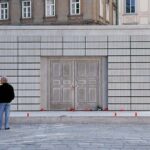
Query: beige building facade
57, 12
132, 12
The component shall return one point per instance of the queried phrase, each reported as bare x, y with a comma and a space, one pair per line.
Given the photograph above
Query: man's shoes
7, 128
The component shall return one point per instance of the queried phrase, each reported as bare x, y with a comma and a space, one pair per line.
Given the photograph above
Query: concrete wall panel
119, 45
119, 86
118, 79
119, 107
120, 52
119, 72
119, 66
119, 93
55, 52
74, 52
119, 100
95, 52
140, 65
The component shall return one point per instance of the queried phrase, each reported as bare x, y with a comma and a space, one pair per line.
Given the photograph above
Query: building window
26, 9
50, 7
75, 7
130, 6
3, 11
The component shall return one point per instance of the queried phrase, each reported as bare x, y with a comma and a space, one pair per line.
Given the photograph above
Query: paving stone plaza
93, 136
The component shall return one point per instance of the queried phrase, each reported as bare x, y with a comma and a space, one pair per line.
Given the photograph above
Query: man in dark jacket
6, 96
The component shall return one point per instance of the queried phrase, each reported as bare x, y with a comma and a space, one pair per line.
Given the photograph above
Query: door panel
61, 80
81, 94
87, 84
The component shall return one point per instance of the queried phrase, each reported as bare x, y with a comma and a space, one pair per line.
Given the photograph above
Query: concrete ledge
79, 117
85, 119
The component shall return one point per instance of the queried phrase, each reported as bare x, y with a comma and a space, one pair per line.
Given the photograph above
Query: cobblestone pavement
76, 137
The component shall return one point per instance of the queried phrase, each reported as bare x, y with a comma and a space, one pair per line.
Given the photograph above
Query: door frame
45, 79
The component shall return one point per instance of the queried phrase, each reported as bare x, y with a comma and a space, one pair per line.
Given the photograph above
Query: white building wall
127, 50
141, 15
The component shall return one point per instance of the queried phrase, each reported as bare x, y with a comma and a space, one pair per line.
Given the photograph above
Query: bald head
3, 80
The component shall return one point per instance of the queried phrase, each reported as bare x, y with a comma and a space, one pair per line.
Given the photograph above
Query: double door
74, 84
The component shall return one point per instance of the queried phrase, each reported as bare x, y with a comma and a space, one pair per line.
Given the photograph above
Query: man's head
3, 80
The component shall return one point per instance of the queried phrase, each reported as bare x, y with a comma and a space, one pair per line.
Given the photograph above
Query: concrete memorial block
8, 59
73, 39
120, 59
8, 39
138, 59
118, 86
140, 72
119, 38
140, 100
120, 100
29, 52
126, 54
141, 65
12, 79
33, 72
27, 100
8, 45
140, 107
14, 107
113, 66
140, 86
145, 79
140, 52
33, 107
73, 45
51, 39
96, 38
119, 93
142, 38
28, 39
8, 66
118, 79
74, 52
51, 52
140, 45
29, 66
8, 72
29, 86
29, 93
96, 45
96, 52
8, 52
141, 93
29, 59
119, 107
120, 52
29, 79
119, 45
118, 72
51, 45
27, 45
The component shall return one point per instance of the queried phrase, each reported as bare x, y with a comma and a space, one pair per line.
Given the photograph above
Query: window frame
51, 5
130, 7
23, 12
71, 8
4, 18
